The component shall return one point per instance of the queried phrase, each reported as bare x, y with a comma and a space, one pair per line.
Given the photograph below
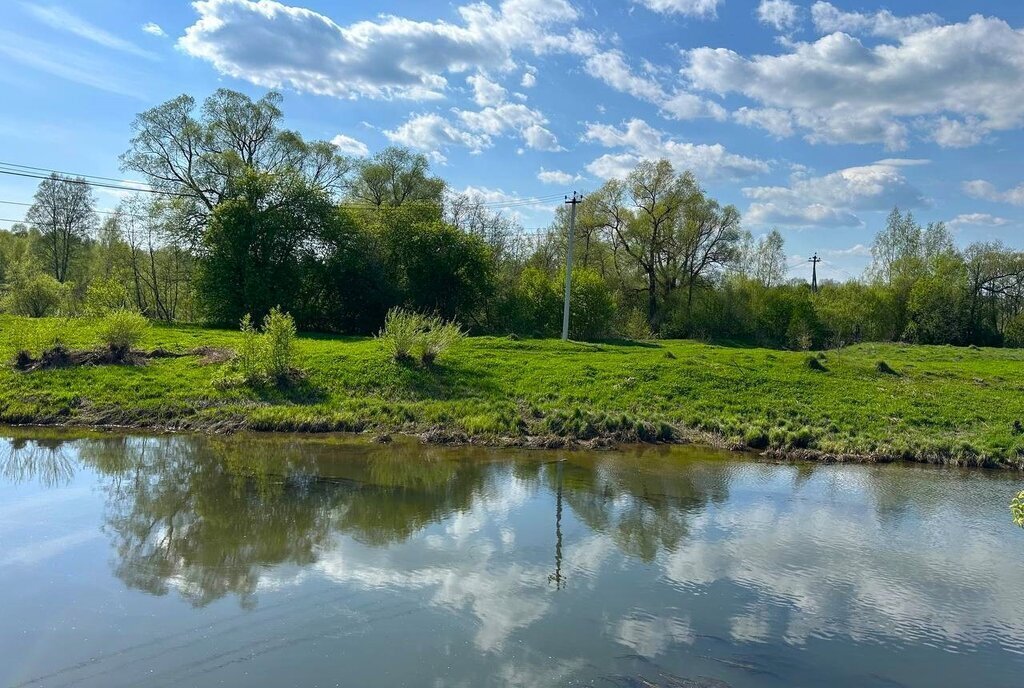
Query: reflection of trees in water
41, 460
205, 515
642, 501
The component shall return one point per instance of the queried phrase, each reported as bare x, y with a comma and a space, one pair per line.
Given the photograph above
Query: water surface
244, 561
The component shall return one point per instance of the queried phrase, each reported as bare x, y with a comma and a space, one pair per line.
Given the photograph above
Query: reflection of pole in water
557, 577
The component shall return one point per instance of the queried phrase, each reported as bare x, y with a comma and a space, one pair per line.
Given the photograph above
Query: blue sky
812, 117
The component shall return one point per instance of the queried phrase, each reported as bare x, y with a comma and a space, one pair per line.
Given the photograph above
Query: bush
1017, 509
267, 355
105, 296
401, 333
437, 337
36, 296
122, 330
278, 343
406, 334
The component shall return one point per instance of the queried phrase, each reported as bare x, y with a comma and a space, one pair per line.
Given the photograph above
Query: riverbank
936, 404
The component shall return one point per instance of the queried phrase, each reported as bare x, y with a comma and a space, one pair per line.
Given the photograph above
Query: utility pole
568, 263
814, 260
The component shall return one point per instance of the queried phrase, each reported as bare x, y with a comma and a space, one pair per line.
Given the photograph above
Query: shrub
121, 330
105, 296
437, 337
278, 343
401, 333
267, 355
248, 361
36, 296
1017, 509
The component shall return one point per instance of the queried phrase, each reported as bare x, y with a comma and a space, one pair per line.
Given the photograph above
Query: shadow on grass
439, 381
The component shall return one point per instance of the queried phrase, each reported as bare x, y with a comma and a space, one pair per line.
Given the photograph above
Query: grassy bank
961, 405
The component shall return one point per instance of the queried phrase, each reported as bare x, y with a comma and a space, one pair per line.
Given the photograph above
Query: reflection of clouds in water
37, 552
649, 636
855, 575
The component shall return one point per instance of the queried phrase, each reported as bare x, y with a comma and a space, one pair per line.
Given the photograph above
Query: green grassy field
948, 404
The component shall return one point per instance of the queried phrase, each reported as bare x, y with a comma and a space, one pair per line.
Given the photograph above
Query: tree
257, 241
768, 262
63, 213
394, 177
197, 159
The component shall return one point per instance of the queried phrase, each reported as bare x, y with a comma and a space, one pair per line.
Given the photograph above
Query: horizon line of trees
249, 216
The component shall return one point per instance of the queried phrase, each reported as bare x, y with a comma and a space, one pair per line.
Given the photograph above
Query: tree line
242, 215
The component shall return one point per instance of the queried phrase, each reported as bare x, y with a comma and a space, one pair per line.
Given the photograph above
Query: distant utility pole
568, 263
814, 260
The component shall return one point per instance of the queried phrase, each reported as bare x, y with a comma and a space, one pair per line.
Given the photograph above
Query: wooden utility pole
568, 263
814, 260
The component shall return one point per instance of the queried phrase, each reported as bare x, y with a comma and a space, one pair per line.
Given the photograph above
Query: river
189, 560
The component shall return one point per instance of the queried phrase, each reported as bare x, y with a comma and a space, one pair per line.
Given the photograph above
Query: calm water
181, 561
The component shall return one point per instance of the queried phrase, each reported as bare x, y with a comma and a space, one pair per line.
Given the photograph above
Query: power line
32, 172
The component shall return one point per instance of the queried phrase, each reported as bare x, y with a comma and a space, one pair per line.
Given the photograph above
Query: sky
812, 117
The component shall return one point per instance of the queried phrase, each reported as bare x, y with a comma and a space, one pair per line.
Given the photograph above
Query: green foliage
279, 343
1017, 509
36, 295
264, 357
591, 305
106, 295
401, 333
407, 334
1014, 334
437, 337
122, 330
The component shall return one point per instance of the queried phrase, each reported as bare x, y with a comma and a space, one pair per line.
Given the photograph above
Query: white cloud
834, 199
557, 177
641, 141
529, 79
783, 15
64, 20
433, 133
859, 250
977, 220
154, 29
778, 123
611, 68
475, 129
979, 188
350, 146
828, 18
952, 133
956, 82
485, 91
275, 45
687, 8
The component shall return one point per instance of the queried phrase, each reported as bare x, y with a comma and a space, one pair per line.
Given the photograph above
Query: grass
946, 404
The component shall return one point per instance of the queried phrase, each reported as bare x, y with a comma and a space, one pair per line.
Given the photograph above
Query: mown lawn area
939, 403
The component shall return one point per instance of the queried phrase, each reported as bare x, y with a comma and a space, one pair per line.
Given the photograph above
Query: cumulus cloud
955, 83
557, 177
687, 8
783, 15
828, 18
979, 188
485, 91
612, 68
154, 29
778, 123
474, 129
275, 45
350, 146
640, 141
529, 79
833, 200
977, 220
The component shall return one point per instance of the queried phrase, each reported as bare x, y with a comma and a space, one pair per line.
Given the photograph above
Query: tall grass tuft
401, 333
122, 330
437, 337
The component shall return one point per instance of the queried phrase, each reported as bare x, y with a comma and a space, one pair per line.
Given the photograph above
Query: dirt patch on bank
61, 357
